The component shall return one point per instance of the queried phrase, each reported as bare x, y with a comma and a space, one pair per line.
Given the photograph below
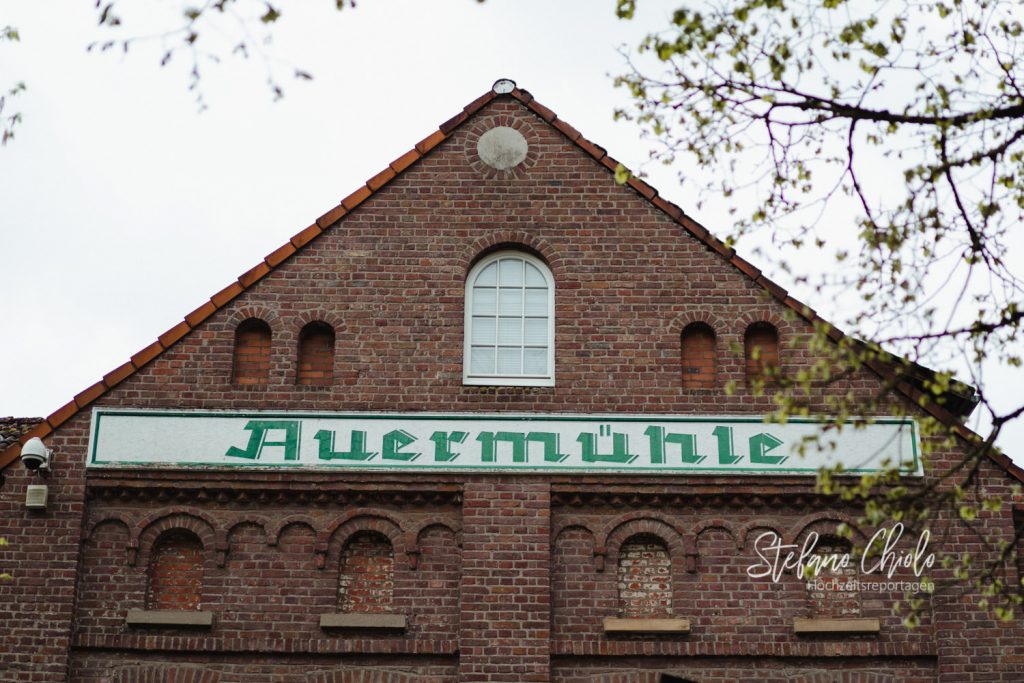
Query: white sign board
624, 444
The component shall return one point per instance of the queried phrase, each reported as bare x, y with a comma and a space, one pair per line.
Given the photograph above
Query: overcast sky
122, 209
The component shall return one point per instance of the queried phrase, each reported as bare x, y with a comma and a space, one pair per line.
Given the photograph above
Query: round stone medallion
502, 148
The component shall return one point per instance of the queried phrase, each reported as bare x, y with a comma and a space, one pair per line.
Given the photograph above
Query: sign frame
96, 461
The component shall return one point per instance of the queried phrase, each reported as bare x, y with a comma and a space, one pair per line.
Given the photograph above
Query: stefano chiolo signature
880, 555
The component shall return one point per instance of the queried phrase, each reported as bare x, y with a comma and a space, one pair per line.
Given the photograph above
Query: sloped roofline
249, 278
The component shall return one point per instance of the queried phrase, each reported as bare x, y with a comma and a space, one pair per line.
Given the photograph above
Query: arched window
367, 576
761, 350
644, 578
510, 322
252, 352
316, 354
175, 572
698, 352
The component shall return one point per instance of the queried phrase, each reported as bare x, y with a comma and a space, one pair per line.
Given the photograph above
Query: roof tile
41, 430
590, 148
118, 375
91, 394
356, 198
454, 122
173, 335
405, 161
696, 228
306, 236
609, 163
430, 142
479, 102
524, 96
224, 296
63, 414
381, 179
200, 314
331, 217
566, 129
801, 308
748, 269
642, 187
149, 353
12, 429
253, 275
773, 288
540, 110
668, 207
275, 258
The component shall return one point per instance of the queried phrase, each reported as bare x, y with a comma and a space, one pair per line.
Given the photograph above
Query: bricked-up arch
699, 362
828, 595
349, 675
175, 572
366, 579
166, 673
251, 360
644, 577
761, 350
316, 354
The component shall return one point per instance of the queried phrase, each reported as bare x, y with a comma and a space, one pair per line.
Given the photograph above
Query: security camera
35, 455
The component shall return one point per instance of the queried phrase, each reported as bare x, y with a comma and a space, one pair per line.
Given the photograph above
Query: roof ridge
395, 169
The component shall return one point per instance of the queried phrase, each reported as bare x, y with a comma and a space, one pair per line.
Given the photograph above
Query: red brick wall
699, 356
175, 572
500, 578
828, 593
366, 580
316, 354
645, 578
761, 350
251, 363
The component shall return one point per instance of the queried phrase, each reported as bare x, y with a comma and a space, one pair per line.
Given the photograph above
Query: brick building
470, 425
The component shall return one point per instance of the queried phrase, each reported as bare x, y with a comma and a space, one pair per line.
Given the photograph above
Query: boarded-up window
175, 572
761, 349
252, 352
644, 577
698, 353
316, 354
367, 577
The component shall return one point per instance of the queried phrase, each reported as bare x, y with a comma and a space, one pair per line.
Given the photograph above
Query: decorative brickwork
316, 354
644, 578
175, 572
252, 352
366, 581
698, 355
761, 350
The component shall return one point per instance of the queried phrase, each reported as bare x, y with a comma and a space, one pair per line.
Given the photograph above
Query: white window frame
547, 380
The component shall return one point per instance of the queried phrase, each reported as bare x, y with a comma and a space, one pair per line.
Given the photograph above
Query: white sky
122, 209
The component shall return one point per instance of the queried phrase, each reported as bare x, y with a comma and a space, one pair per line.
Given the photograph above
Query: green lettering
489, 450
442, 445
552, 450
726, 456
258, 439
357, 451
659, 441
395, 441
760, 445
620, 448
